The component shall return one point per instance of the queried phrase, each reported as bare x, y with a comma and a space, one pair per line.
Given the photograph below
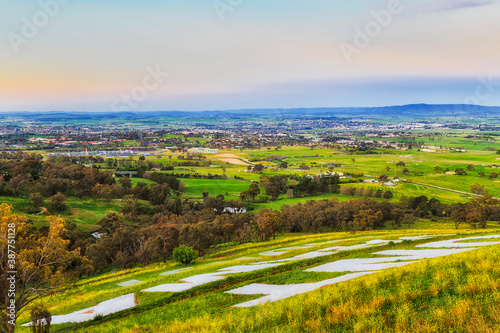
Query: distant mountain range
411, 110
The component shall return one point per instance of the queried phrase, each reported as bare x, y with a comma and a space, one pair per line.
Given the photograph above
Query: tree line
141, 235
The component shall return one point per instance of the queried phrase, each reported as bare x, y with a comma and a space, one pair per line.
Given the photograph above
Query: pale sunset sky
77, 55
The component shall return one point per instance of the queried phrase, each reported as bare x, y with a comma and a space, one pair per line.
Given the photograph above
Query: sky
164, 55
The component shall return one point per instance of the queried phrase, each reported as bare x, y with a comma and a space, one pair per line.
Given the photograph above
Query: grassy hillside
454, 294
84, 212
458, 293
196, 187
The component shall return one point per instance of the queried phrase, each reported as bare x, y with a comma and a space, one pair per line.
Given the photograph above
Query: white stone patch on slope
360, 265
423, 237
453, 243
189, 282
284, 250
314, 254
175, 271
203, 278
277, 292
255, 266
103, 309
246, 258
129, 283
364, 245
377, 242
247, 268
197, 280
422, 254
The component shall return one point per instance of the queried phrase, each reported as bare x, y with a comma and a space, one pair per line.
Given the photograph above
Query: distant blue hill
411, 110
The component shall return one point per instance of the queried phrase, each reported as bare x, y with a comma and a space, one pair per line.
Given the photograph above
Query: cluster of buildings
112, 154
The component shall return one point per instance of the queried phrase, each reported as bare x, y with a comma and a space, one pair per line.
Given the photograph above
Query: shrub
40, 320
262, 199
184, 254
57, 202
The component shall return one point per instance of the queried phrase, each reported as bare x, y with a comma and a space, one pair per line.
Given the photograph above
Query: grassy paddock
196, 187
207, 308
84, 212
460, 293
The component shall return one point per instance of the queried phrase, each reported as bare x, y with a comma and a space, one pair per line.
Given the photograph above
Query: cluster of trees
476, 212
274, 186
479, 189
256, 168
366, 192
29, 176
43, 261
143, 165
251, 193
297, 186
492, 176
192, 163
140, 234
182, 175
24, 174
131, 164
424, 207
462, 172
310, 185
125, 245
162, 178
352, 215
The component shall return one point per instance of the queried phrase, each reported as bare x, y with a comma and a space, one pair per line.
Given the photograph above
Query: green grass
459, 293
141, 180
413, 190
207, 308
454, 294
87, 212
84, 212
276, 205
196, 187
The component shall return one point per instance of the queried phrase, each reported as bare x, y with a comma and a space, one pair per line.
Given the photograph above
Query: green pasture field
455, 140
84, 212
140, 180
282, 200
196, 187
420, 165
413, 190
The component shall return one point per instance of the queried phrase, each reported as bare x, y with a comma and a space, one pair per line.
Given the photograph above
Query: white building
203, 151
234, 210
